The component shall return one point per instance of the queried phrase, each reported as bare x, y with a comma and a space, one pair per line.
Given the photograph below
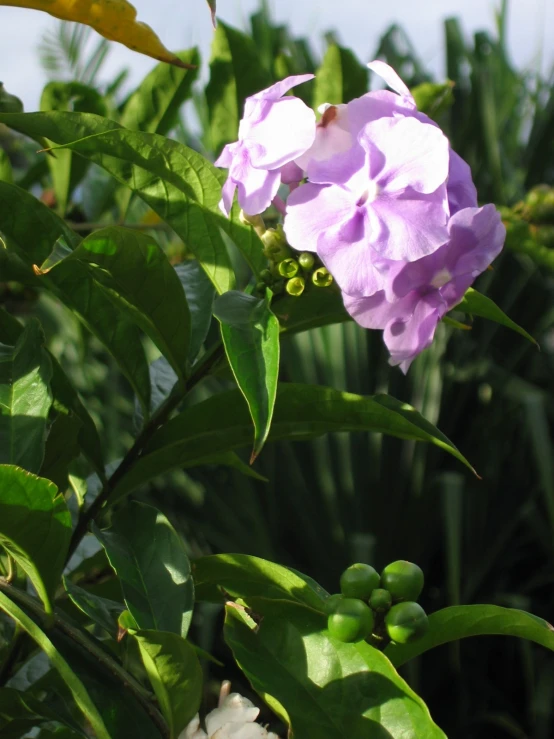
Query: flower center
441, 278
369, 194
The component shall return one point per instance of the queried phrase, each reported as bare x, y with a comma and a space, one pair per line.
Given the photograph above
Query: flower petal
257, 188
311, 209
227, 196
407, 336
391, 78
461, 190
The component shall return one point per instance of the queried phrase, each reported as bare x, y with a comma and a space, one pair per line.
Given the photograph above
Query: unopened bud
539, 205
275, 244
322, 277
306, 260
296, 286
288, 268
266, 276
256, 222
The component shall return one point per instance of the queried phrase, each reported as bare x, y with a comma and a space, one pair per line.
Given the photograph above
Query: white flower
234, 719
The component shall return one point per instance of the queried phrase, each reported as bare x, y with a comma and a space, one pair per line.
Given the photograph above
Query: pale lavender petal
476, 238
408, 227
332, 136
461, 190
391, 78
375, 311
227, 196
225, 159
281, 88
283, 134
291, 174
313, 208
257, 188
405, 337
416, 155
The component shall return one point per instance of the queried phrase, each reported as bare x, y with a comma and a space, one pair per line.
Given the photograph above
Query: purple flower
423, 291
390, 202
275, 130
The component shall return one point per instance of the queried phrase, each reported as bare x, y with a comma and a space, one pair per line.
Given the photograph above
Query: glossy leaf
78, 691
6, 173
35, 527
320, 686
434, 99
235, 73
315, 307
477, 304
251, 578
301, 412
101, 611
152, 566
459, 622
113, 19
25, 399
175, 674
62, 447
200, 297
9, 103
141, 282
250, 334
155, 104
340, 78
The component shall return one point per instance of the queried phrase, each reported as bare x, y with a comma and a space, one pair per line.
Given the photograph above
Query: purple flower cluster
377, 192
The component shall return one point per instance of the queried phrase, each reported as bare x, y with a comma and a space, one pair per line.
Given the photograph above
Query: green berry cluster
378, 608
289, 271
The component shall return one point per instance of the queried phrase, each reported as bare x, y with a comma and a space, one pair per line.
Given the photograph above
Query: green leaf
315, 307
62, 447
340, 78
35, 230
21, 712
35, 527
212, 7
235, 73
101, 611
477, 304
250, 334
176, 676
139, 279
25, 399
433, 98
9, 103
251, 578
302, 412
320, 686
154, 105
78, 691
6, 173
200, 297
66, 170
150, 560
459, 622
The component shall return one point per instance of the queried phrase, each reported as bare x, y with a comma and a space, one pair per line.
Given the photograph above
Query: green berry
322, 278
352, 621
288, 268
380, 600
332, 602
306, 260
404, 580
406, 622
295, 286
358, 581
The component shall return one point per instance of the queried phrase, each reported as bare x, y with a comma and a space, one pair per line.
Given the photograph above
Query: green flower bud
296, 286
288, 268
406, 622
275, 244
266, 276
306, 260
332, 602
404, 580
380, 600
322, 277
352, 621
257, 222
358, 581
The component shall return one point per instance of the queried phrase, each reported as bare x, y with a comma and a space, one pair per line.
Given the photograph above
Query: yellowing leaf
113, 19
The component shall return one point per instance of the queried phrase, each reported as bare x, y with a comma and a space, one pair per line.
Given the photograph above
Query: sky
184, 23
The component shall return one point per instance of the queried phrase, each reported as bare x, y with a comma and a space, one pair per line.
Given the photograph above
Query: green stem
128, 682
177, 395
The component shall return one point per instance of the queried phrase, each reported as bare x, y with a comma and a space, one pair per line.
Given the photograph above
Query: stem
12, 569
160, 417
129, 683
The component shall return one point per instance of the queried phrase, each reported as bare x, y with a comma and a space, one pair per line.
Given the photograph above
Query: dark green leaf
175, 674
250, 334
459, 622
315, 307
101, 611
477, 304
320, 686
35, 527
140, 280
78, 691
25, 399
235, 73
152, 565
302, 412
251, 578
154, 105
9, 103
200, 297
62, 447
20, 712
433, 98
340, 78
6, 173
